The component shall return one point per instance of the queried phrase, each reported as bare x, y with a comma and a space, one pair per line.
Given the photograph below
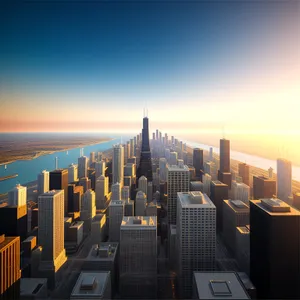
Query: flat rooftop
29, 239
91, 283
98, 217
103, 251
194, 200
219, 285
276, 207
116, 202
141, 221
264, 178
237, 205
76, 224
218, 183
178, 168
31, 286
51, 193
7, 241
243, 229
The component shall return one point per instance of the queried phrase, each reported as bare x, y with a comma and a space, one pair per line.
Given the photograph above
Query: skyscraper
82, 166
140, 203
162, 169
275, 248
244, 172
196, 238
59, 181
284, 179
118, 164
89, 209
142, 184
173, 158
17, 196
51, 234
224, 174
145, 166
178, 180
241, 191
116, 214
263, 187
198, 161
92, 158
101, 191
72, 173
43, 182
100, 168
116, 191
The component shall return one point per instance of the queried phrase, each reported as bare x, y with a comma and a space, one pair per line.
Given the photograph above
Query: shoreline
45, 152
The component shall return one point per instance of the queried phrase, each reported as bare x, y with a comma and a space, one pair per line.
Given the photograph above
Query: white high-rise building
72, 173
118, 164
89, 204
100, 168
178, 180
143, 184
116, 191
131, 148
162, 169
241, 191
173, 158
125, 193
116, 214
138, 257
43, 182
101, 191
17, 196
140, 203
51, 233
82, 166
206, 179
284, 179
196, 238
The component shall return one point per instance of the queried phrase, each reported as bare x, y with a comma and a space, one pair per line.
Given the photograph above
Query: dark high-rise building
244, 172
13, 221
225, 155
218, 193
92, 177
274, 249
145, 166
59, 181
198, 162
10, 272
263, 187
296, 200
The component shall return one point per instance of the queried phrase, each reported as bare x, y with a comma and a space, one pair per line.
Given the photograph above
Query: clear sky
197, 65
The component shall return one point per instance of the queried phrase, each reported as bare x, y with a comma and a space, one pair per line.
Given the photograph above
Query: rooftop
91, 283
194, 200
243, 230
51, 193
178, 168
116, 202
7, 241
103, 251
76, 224
29, 239
218, 183
31, 286
219, 285
142, 222
276, 207
237, 205
264, 178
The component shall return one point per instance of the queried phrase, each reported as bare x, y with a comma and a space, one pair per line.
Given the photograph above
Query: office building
9, 267
128, 181
296, 200
43, 182
51, 234
129, 208
140, 203
116, 214
240, 191
218, 193
196, 238
196, 186
33, 288
98, 228
162, 169
242, 248
173, 158
82, 166
142, 184
59, 181
118, 164
211, 169
244, 172
151, 209
178, 180
101, 192
284, 179
211, 154
116, 191
198, 161
235, 214
72, 173
100, 168
17, 196
92, 158
88, 209
145, 166
206, 180
218, 285
74, 234
129, 169
85, 182
263, 187
125, 193
172, 247
225, 155
138, 258
92, 285
275, 248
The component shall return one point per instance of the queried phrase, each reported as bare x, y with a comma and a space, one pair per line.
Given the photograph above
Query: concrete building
218, 193
125, 193
72, 173
172, 247
88, 209
296, 200
100, 168
9, 267
244, 172
82, 166
275, 225
224, 174
130, 170
235, 214
284, 179
162, 169
196, 238
211, 169
151, 209
116, 214
92, 285
85, 182
104, 257
140, 203
206, 179
218, 285
263, 187
142, 184
101, 191
116, 191
138, 258
240, 191
242, 247
118, 164
51, 234
17, 196
92, 158
74, 234
33, 288
173, 158
43, 182
198, 161
178, 180
98, 228
196, 186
